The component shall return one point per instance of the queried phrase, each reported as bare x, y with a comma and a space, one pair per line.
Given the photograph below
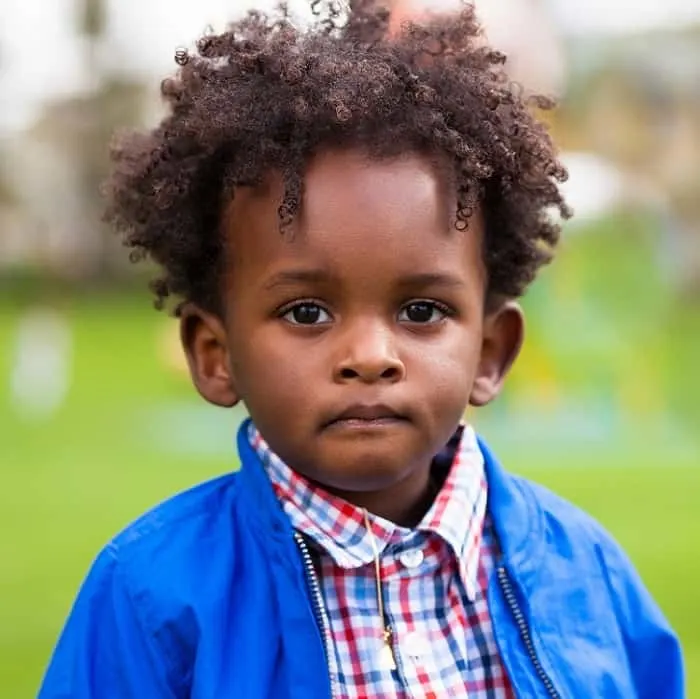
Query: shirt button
416, 646
411, 558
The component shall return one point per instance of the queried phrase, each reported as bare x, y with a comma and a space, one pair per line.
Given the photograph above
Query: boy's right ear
203, 338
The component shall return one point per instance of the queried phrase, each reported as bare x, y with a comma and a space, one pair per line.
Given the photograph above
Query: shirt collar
338, 527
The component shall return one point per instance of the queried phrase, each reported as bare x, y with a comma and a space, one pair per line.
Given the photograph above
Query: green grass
71, 483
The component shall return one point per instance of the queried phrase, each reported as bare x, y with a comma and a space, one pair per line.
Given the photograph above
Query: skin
357, 338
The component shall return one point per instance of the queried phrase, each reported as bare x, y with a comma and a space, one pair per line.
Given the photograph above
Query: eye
423, 312
306, 314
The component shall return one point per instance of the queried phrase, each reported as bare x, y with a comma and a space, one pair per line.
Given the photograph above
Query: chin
360, 482
364, 468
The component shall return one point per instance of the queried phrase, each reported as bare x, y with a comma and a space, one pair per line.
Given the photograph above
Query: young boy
346, 219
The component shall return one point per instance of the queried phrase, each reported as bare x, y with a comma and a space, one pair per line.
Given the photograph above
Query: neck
404, 503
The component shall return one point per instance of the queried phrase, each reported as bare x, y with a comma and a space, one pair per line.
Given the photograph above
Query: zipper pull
387, 661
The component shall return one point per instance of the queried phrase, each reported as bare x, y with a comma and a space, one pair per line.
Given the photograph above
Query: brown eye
306, 314
422, 312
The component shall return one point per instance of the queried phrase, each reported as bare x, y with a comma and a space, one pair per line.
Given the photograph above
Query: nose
369, 355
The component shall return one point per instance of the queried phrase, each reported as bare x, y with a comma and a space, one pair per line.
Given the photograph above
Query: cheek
447, 369
272, 369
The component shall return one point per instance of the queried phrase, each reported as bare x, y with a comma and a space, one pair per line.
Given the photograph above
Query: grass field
117, 447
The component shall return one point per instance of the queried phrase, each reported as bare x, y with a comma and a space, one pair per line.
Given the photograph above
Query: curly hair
267, 94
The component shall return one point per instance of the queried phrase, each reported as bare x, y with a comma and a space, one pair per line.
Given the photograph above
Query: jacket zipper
319, 611
511, 600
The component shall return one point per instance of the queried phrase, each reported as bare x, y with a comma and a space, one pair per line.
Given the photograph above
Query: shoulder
541, 531
163, 557
175, 521
559, 514
584, 568
532, 521
135, 620
569, 531
166, 559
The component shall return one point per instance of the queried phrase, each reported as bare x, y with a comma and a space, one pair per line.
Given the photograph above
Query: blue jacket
208, 597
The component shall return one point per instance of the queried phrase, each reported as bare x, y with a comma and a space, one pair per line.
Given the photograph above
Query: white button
415, 645
411, 558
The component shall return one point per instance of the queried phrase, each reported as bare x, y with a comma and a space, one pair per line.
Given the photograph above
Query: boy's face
356, 339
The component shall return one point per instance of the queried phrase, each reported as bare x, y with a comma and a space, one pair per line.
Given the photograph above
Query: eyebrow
431, 279
290, 277
310, 276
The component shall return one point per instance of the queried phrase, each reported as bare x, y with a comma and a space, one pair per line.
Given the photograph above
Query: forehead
359, 217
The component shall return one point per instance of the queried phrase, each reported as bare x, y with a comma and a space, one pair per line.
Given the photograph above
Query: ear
204, 340
504, 330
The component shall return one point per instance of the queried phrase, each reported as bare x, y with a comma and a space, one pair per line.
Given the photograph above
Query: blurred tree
64, 158
110, 104
9, 201
7, 193
70, 148
93, 18
636, 101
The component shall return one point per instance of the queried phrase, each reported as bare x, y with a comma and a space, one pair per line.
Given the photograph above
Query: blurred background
98, 420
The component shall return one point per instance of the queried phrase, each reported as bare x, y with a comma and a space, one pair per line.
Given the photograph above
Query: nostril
369, 371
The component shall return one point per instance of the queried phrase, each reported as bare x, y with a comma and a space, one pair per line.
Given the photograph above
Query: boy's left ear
504, 330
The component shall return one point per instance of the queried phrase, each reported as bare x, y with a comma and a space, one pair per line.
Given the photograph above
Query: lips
367, 415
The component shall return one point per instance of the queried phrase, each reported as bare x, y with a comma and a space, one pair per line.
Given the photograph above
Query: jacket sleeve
105, 651
653, 649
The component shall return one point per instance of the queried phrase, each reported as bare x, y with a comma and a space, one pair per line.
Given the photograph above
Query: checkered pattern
434, 580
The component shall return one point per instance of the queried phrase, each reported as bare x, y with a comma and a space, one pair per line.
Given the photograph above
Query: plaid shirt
434, 580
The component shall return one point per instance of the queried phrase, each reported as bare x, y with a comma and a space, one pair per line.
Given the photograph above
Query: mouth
366, 416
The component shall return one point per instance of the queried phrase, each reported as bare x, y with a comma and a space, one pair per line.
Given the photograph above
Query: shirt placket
414, 572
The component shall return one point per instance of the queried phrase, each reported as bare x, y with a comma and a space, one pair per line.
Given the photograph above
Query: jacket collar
517, 519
